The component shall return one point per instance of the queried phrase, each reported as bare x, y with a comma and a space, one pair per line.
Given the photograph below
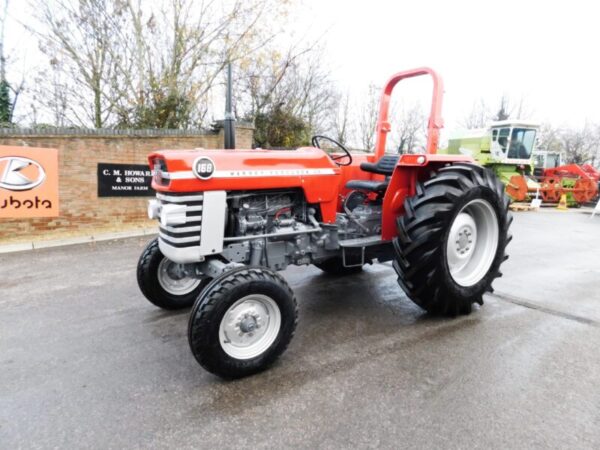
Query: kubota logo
20, 174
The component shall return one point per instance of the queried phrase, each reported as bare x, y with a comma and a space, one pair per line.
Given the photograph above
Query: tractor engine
271, 227
264, 213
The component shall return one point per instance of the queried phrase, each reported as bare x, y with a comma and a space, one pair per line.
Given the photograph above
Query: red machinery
230, 219
578, 182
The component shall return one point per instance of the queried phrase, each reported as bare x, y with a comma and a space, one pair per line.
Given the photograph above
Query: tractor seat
385, 166
368, 185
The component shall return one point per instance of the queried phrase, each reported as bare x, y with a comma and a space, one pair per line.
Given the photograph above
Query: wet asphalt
87, 362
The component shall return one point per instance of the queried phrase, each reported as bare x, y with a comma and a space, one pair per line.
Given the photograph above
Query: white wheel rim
472, 242
250, 326
172, 278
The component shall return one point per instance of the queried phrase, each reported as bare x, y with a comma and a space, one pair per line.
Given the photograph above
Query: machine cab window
521, 143
553, 160
500, 136
513, 142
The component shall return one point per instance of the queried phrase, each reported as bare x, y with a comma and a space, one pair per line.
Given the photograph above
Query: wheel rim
472, 242
250, 326
173, 278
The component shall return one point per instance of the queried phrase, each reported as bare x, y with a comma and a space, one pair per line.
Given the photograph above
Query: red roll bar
435, 117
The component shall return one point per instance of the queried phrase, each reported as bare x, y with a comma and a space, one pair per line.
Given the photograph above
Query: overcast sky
546, 52
543, 52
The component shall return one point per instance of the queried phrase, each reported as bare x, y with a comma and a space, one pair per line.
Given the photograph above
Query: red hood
246, 169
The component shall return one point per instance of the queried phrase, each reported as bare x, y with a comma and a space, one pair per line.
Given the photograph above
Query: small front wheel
242, 322
165, 283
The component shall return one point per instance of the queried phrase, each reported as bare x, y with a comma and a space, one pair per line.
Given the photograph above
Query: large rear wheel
452, 239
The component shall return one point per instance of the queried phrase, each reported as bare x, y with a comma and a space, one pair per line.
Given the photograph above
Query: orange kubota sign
28, 182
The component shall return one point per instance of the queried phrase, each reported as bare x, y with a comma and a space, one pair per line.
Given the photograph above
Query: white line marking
185, 175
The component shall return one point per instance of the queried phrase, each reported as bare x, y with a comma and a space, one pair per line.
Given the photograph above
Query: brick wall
82, 213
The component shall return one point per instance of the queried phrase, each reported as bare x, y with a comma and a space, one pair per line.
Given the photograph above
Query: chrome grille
187, 233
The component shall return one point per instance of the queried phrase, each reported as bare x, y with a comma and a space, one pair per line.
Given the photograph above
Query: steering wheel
336, 159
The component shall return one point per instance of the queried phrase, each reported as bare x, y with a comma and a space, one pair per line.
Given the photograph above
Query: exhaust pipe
229, 122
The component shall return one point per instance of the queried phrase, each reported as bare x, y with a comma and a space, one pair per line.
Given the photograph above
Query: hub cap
174, 279
472, 242
250, 326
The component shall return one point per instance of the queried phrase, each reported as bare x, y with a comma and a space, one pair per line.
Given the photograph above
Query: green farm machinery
506, 147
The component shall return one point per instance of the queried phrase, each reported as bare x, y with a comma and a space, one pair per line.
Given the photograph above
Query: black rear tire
423, 231
335, 266
217, 301
147, 277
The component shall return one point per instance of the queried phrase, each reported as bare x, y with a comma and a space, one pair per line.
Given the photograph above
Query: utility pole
229, 123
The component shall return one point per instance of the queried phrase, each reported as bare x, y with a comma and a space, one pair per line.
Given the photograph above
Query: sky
545, 53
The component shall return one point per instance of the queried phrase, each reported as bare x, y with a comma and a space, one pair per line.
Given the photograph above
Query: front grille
184, 234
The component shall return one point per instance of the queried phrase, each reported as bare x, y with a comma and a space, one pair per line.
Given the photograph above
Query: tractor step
361, 242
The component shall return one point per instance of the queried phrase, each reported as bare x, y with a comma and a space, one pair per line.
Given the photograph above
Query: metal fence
62, 131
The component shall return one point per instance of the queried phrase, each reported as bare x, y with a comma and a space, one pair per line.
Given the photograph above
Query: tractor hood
206, 170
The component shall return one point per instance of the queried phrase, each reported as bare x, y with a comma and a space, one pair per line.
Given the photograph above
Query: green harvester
506, 147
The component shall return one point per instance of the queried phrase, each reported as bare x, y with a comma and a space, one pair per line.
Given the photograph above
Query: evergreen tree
5, 104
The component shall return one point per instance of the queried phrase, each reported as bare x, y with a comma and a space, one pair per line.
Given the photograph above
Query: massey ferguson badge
204, 168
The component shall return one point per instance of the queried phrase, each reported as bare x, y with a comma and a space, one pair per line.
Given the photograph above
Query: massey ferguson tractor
230, 220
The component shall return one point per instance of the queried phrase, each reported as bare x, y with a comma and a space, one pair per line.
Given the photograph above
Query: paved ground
86, 362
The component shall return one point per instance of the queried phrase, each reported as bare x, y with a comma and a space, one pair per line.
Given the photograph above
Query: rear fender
410, 170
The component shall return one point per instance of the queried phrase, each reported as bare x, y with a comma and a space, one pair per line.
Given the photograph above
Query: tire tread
418, 247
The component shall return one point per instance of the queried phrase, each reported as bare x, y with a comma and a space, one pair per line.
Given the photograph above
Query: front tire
162, 283
242, 322
452, 239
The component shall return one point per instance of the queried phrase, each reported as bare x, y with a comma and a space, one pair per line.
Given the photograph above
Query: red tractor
231, 219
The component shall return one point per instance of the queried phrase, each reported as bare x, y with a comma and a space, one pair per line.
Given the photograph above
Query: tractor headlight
160, 172
153, 209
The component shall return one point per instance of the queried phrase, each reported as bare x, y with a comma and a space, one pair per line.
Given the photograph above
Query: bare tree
481, 113
522, 110
200, 39
342, 119
549, 138
78, 39
366, 118
270, 78
408, 127
580, 145
54, 98
291, 88
478, 117
132, 63
317, 99
504, 110
596, 154
512, 110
